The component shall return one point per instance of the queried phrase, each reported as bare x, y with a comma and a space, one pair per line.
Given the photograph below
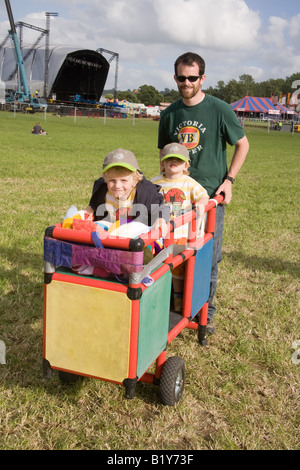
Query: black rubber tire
172, 381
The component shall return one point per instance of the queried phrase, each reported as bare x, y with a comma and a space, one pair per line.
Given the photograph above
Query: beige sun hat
120, 157
175, 150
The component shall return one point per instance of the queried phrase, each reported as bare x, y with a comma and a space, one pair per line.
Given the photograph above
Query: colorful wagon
114, 328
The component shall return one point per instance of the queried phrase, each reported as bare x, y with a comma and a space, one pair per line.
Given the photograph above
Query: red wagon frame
169, 373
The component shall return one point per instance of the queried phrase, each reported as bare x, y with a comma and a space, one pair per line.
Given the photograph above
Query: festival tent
284, 110
250, 104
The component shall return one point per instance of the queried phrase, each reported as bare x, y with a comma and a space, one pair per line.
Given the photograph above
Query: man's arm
240, 153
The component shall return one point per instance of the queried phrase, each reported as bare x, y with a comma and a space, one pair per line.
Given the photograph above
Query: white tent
2, 92
70, 72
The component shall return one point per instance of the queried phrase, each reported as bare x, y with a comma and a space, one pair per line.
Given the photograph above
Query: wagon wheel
172, 381
68, 378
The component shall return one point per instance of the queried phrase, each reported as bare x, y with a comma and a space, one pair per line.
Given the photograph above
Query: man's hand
226, 189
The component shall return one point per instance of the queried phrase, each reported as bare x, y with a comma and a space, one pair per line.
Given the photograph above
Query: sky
234, 37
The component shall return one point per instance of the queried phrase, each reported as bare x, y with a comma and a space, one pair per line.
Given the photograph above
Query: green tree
128, 95
149, 96
292, 84
171, 96
270, 87
246, 85
218, 91
232, 92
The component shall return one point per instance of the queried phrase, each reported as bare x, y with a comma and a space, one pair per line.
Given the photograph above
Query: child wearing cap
123, 191
180, 191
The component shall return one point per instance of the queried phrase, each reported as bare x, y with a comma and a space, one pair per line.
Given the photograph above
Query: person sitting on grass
180, 191
37, 129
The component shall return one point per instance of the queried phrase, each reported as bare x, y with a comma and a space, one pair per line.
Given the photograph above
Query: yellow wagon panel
87, 330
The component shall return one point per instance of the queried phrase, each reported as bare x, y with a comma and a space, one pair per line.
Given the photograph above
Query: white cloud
275, 34
294, 30
150, 34
223, 24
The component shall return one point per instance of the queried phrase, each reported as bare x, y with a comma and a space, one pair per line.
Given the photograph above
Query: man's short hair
189, 58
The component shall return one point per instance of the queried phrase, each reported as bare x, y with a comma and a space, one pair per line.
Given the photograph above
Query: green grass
242, 391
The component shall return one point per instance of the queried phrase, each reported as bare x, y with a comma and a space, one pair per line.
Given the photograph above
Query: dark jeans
217, 256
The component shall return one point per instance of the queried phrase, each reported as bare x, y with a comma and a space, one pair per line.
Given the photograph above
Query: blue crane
23, 95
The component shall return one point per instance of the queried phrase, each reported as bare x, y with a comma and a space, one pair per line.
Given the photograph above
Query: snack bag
73, 214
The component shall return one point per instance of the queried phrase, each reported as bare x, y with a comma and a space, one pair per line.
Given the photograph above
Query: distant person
37, 129
180, 192
205, 124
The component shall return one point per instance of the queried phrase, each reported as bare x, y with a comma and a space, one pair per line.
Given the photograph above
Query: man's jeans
217, 256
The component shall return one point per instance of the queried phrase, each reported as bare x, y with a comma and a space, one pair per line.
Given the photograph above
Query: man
205, 124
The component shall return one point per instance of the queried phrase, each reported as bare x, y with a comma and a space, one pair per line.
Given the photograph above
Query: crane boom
20, 62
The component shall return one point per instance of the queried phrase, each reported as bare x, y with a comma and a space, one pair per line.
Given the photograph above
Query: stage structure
60, 72
113, 55
43, 32
82, 72
70, 72
47, 45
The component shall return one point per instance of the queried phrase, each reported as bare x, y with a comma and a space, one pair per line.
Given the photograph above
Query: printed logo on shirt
174, 195
189, 136
188, 133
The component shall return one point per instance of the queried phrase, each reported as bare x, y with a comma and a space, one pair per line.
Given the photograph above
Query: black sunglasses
191, 78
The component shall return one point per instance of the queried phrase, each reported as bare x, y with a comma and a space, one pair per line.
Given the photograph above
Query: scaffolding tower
113, 55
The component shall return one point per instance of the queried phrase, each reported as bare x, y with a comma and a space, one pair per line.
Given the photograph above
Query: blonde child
180, 191
123, 191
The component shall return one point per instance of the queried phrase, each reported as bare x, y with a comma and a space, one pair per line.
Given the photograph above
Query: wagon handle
215, 201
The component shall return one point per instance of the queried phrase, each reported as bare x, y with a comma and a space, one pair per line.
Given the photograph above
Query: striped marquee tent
250, 104
284, 110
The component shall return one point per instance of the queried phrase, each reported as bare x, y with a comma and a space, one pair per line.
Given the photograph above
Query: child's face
174, 167
119, 184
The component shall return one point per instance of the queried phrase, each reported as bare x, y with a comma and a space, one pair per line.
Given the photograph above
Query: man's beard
189, 92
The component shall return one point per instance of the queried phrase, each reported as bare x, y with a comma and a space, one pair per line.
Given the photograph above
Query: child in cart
123, 203
180, 192
123, 193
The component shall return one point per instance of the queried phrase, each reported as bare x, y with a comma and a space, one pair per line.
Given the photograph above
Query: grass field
242, 391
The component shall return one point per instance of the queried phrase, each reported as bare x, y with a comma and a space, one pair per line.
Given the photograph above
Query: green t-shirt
204, 129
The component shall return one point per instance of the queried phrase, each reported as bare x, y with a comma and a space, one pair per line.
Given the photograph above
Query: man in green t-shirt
205, 124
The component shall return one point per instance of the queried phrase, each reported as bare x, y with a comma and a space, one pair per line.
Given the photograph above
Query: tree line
229, 92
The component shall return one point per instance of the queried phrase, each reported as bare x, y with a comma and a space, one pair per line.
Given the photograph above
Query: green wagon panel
153, 322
